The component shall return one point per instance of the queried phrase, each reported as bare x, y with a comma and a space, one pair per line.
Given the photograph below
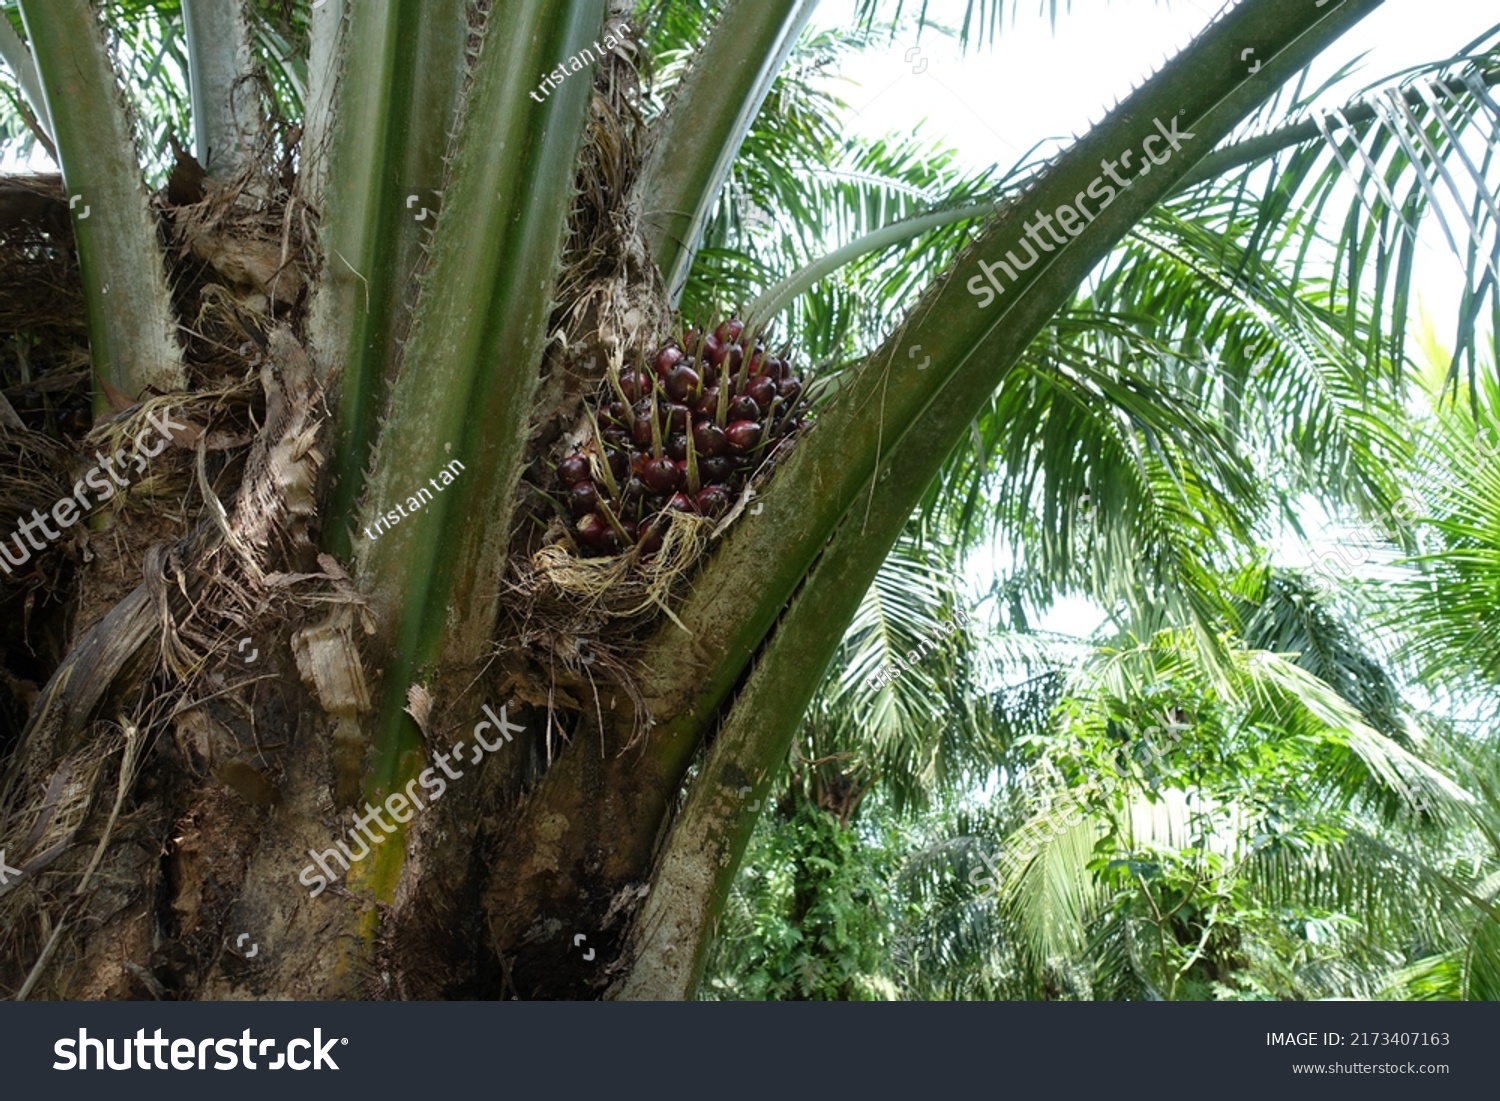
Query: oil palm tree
444, 232
1194, 833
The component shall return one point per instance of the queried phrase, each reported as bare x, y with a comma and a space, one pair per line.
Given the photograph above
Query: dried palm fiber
224, 571
240, 252
229, 574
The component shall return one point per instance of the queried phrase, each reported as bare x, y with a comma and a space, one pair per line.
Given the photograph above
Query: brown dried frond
243, 256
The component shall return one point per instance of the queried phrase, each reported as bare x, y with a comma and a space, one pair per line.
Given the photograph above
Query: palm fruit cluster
678, 434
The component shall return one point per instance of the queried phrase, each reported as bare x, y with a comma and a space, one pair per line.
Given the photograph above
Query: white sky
1036, 85
1032, 84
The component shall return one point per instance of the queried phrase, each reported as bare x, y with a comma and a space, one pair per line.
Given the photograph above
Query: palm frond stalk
721, 95
132, 329
226, 100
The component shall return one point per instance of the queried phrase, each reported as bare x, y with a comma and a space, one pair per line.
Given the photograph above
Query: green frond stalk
132, 331
403, 67
358, 83
326, 55
698, 137
470, 368
15, 54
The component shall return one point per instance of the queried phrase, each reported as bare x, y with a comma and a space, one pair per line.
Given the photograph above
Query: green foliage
149, 49
812, 918
1443, 616
1177, 836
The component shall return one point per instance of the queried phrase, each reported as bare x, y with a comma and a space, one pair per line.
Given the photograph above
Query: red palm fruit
733, 357
667, 358
649, 534
650, 540
678, 417
595, 533
690, 340
790, 389
777, 368
761, 390
709, 439
708, 402
636, 384
715, 468
712, 351
744, 408
679, 502
619, 464
677, 446
616, 438
661, 475
757, 364
633, 490
583, 498
743, 435
711, 500
575, 468
681, 382
618, 412
729, 331
632, 529
707, 371
640, 431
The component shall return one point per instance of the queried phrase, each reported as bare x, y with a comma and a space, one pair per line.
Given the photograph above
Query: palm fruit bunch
680, 433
